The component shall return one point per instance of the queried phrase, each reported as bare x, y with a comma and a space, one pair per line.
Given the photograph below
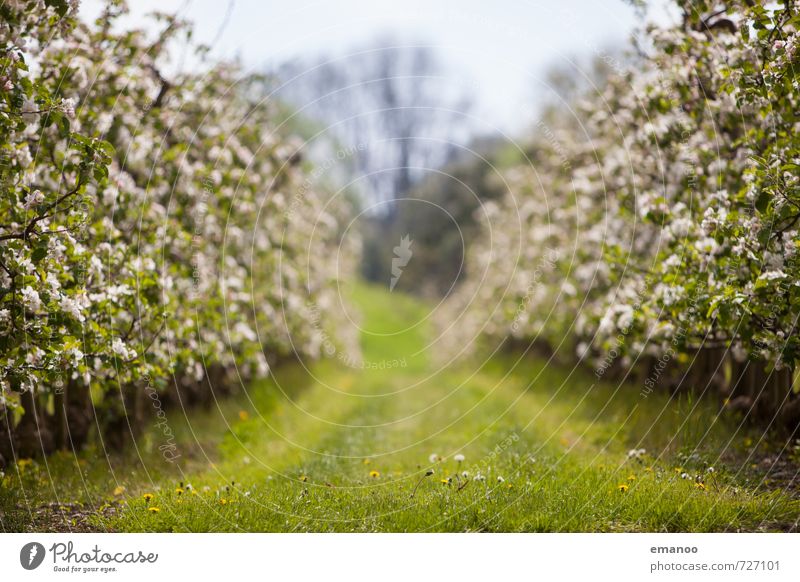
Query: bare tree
390, 103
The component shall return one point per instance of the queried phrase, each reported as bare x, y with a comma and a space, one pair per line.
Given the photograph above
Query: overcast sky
499, 49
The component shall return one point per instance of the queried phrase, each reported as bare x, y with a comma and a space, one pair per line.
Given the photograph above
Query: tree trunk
60, 430
32, 436
706, 373
126, 417
79, 413
6, 428
762, 394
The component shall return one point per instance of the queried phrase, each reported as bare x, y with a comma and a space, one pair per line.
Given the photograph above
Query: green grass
296, 453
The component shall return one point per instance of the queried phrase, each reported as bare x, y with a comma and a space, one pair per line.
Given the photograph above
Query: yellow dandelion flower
179, 491
304, 478
223, 501
648, 469
243, 415
510, 485
622, 488
119, 490
374, 474
148, 497
700, 486
631, 477
367, 461
153, 509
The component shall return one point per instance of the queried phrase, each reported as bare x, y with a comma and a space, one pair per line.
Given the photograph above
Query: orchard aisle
338, 448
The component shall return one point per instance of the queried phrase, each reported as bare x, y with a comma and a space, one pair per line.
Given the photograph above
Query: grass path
337, 448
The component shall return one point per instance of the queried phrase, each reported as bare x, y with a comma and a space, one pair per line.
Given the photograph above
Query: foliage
150, 226
666, 221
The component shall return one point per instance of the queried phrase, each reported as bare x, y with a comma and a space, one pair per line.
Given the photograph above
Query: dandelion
243, 415
480, 477
685, 476
701, 486
428, 473
304, 478
119, 490
374, 474
148, 497
459, 458
631, 477
179, 491
153, 509
710, 470
433, 458
500, 479
465, 474
622, 488
648, 469
367, 461
446, 481
510, 485
223, 501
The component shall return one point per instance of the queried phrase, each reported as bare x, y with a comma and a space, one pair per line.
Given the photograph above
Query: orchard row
159, 233
654, 230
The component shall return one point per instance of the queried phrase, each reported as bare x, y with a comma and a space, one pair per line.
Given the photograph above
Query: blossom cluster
671, 197
145, 224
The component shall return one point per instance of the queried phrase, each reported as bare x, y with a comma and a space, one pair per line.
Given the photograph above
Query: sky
500, 50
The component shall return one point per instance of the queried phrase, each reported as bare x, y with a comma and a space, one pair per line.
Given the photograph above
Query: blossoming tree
157, 233
663, 226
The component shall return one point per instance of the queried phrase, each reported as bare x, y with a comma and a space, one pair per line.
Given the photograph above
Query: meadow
513, 443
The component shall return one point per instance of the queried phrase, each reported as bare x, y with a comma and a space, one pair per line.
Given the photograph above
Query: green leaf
39, 253
61, 6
